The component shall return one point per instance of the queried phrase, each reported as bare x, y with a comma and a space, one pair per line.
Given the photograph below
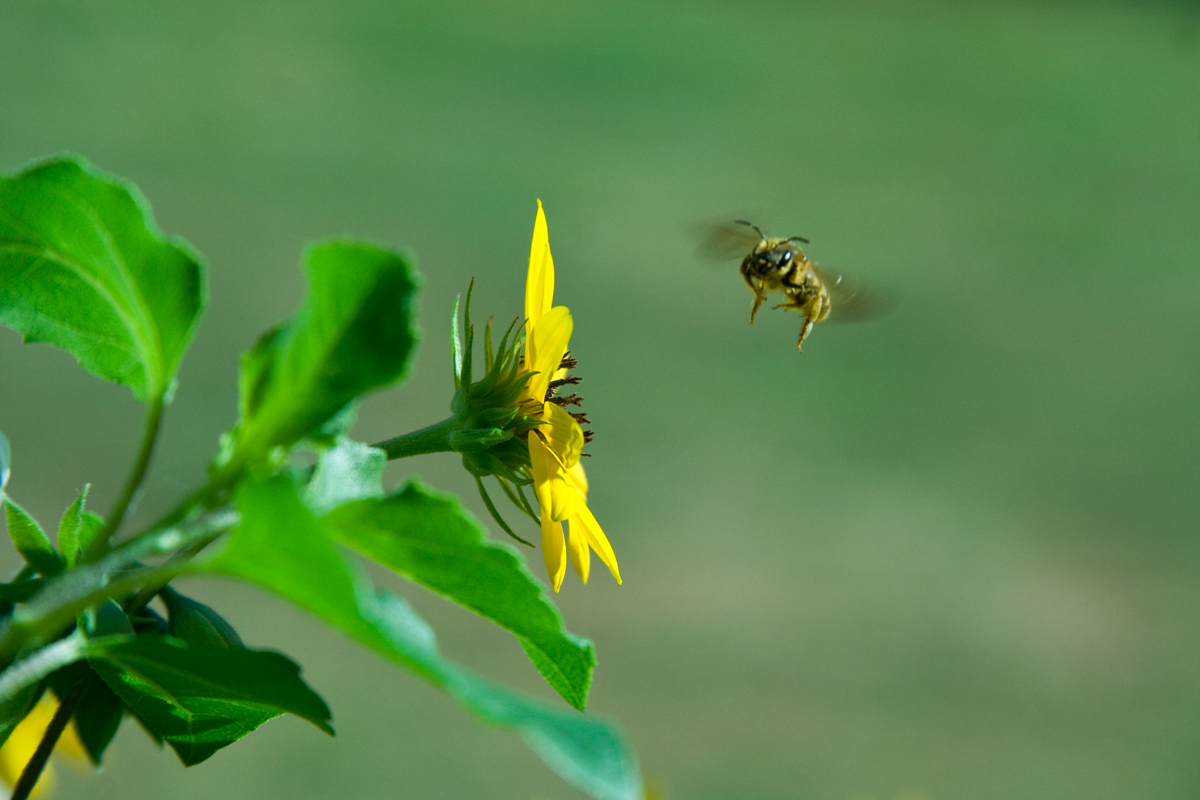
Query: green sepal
489, 426
477, 439
517, 496
31, 542
491, 507
456, 344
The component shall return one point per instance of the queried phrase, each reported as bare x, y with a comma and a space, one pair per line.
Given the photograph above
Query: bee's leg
758, 301
812, 310
804, 329
759, 297
755, 286
792, 303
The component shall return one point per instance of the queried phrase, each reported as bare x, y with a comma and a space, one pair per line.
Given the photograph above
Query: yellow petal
579, 477
21, 745
556, 495
563, 434
577, 546
552, 550
585, 523
539, 283
544, 350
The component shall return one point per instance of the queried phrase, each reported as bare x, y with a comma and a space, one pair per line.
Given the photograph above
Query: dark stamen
552, 389
572, 399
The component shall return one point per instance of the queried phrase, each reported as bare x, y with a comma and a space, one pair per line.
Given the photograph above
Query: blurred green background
952, 553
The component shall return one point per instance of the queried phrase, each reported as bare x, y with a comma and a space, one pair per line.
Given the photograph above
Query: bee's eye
785, 257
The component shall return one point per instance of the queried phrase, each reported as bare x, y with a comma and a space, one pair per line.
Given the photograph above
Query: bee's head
774, 257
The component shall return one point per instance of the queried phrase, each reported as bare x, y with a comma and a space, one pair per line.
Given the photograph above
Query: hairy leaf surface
83, 267
430, 539
355, 332
202, 699
345, 472
282, 546
31, 542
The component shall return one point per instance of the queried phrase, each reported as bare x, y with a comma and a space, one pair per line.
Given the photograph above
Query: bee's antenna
799, 239
752, 225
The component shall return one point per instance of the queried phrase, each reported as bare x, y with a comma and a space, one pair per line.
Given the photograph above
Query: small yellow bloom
555, 446
24, 740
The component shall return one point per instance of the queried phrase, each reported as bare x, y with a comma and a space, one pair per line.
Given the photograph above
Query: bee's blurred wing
724, 241
853, 300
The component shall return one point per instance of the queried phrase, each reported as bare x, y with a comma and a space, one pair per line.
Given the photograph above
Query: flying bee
775, 264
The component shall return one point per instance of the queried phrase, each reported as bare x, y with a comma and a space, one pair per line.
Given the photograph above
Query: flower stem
66, 709
433, 439
132, 484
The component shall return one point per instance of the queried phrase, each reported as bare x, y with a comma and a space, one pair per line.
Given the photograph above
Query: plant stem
66, 708
144, 595
153, 421
207, 496
53, 608
432, 439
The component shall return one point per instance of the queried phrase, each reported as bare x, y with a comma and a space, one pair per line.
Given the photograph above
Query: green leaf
70, 525
14, 707
118, 574
587, 752
282, 547
355, 332
197, 624
83, 267
202, 699
430, 539
5, 461
20, 591
89, 526
335, 427
346, 472
99, 711
30, 541
105, 619
97, 718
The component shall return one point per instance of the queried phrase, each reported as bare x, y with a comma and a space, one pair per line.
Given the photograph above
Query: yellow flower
19, 748
555, 446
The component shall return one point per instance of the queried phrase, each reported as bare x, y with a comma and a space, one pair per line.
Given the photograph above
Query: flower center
572, 399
